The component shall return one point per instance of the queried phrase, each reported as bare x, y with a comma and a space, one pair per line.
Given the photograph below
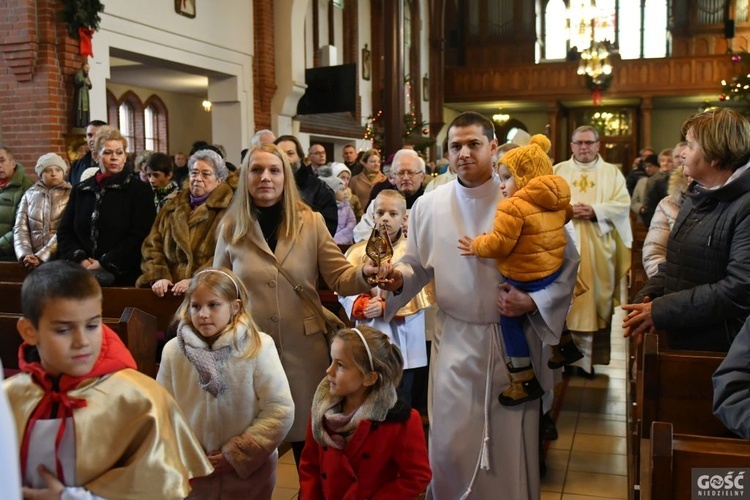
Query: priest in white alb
478, 449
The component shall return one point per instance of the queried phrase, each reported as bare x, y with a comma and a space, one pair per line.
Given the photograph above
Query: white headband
236, 286
367, 347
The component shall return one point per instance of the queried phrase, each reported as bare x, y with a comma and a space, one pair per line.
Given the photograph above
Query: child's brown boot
564, 353
523, 387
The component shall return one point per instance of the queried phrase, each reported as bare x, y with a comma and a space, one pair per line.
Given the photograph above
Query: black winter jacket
318, 195
109, 224
701, 295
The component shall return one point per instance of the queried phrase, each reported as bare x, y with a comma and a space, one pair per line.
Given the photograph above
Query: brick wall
264, 63
36, 74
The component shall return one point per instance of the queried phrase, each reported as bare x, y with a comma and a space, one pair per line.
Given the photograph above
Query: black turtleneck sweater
269, 219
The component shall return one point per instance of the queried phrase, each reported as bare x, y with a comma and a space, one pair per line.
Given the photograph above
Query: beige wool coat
279, 311
181, 242
362, 186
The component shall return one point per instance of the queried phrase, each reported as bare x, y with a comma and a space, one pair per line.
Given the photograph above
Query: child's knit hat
337, 168
335, 183
530, 161
50, 160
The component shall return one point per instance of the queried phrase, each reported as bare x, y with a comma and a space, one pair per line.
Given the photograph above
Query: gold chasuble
604, 243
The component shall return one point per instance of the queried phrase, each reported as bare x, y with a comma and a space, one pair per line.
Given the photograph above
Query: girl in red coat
362, 442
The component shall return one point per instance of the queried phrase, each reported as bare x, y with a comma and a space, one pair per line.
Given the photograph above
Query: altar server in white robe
478, 448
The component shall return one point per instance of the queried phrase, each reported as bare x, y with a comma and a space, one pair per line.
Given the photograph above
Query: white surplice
476, 445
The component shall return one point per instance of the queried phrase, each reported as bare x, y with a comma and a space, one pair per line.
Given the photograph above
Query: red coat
384, 460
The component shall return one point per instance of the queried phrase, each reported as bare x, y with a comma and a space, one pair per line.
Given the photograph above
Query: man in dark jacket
87, 161
315, 192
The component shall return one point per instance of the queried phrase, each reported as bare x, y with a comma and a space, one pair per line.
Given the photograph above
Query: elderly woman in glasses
108, 216
183, 238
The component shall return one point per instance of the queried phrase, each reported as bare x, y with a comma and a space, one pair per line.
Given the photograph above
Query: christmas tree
738, 87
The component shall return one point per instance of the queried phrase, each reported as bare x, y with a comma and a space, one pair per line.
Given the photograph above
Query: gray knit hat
50, 160
335, 183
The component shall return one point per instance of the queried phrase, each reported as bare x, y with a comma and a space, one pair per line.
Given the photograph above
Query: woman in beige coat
267, 223
655, 244
362, 183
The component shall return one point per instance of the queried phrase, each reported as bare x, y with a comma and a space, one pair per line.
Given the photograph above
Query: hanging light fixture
500, 118
595, 62
592, 30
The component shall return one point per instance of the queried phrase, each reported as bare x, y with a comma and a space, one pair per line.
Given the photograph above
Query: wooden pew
672, 457
674, 387
136, 328
115, 300
12, 272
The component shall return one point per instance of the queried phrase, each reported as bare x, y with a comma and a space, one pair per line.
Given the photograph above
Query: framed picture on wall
185, 8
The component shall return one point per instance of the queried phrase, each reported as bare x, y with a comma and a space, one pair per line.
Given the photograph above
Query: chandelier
595, 62
592, 27
500, 118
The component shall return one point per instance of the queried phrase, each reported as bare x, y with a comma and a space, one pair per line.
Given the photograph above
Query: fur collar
380, 406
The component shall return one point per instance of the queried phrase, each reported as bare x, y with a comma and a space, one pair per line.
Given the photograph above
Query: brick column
264, 63
36, 79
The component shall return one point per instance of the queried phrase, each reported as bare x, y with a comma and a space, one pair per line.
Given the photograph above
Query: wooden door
618, 132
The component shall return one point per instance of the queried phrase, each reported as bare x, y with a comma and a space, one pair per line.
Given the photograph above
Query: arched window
640, 26
555, 33
155, 125
126, 119
655, 32
130, 120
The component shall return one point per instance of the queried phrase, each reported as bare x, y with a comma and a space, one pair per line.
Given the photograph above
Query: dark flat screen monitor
330, 89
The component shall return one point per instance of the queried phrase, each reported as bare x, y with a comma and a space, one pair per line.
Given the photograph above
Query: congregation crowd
516, 260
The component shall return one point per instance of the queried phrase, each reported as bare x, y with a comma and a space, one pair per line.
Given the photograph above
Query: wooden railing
558, 80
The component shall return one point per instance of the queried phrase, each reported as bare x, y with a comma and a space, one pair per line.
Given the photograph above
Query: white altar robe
463, 404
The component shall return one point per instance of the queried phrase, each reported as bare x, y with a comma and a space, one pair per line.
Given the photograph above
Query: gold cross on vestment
583, 183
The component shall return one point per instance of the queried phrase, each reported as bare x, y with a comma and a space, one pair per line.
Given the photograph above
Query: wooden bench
671, 458
115, 300
674, 387
136, 328
12, 272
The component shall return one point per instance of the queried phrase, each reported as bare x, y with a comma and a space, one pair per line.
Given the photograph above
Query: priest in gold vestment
603, 235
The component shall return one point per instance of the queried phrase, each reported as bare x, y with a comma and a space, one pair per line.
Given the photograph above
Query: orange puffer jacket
528, 239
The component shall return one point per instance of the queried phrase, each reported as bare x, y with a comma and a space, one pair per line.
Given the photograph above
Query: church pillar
264, 62
226, 115
36, 79
393, 91
437, 71
647, 105
553, 114
289, 28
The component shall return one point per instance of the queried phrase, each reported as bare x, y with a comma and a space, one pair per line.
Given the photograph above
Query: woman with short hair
183, 238
108, 216
701, 295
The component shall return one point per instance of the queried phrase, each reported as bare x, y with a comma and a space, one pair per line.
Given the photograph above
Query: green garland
601, 83
81, 14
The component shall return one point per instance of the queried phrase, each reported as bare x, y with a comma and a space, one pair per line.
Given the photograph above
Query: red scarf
113, 357
103, 178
